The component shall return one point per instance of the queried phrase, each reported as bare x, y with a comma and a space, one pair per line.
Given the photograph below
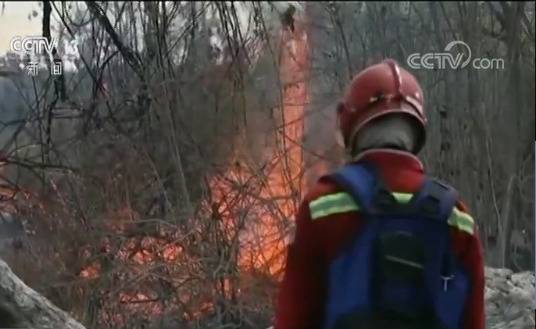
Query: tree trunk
23, 307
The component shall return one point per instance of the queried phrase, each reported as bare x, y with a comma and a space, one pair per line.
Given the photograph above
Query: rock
23, 307
509, 299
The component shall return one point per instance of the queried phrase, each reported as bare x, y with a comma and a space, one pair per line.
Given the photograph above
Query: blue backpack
399, 271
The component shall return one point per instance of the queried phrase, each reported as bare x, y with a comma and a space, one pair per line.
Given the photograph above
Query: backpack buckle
446, 280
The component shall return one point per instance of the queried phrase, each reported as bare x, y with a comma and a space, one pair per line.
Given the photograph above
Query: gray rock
509, 299
23, 307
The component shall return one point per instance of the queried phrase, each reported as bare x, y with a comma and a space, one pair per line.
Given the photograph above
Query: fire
92, 271
268, 199
274, 200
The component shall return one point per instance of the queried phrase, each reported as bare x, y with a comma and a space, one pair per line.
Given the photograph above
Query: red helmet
379, 90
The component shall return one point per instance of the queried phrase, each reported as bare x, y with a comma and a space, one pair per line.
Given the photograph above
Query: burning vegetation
156, 180
214, 265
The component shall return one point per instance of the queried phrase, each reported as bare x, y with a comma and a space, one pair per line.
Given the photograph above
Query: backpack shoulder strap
360, 181
435, 200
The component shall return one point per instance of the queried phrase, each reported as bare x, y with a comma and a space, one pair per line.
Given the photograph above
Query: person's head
383, 108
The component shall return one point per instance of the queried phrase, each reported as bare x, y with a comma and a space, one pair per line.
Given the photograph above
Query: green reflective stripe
402, 197
462, 221
333, 211
336, 197
332, 204
342, 202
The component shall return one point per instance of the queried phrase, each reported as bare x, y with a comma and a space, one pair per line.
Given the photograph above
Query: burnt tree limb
23, 307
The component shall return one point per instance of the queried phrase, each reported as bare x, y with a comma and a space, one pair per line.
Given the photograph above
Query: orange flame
263, 244
270, 200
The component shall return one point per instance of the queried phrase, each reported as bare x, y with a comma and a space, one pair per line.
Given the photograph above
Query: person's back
382, 126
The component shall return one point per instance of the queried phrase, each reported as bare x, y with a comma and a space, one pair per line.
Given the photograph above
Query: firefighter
382, 124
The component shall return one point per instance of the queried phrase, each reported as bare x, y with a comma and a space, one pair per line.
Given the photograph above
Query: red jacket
303, 289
